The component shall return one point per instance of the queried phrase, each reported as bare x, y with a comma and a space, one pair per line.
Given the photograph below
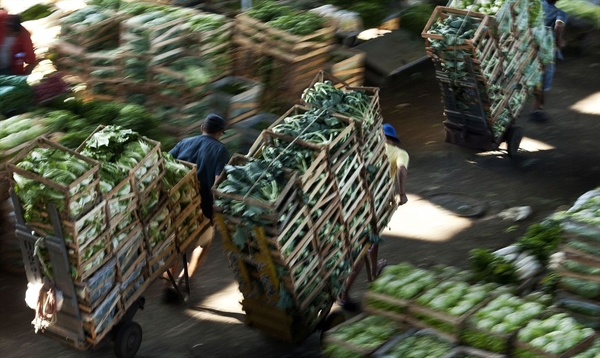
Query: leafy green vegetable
541, 240
492, 268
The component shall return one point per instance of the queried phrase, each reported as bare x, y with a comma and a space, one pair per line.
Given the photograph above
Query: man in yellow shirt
398, 160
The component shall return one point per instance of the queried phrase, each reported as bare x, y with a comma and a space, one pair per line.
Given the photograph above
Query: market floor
559, 161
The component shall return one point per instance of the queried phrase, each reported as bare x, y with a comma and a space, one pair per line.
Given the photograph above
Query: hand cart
67, 323
471, 127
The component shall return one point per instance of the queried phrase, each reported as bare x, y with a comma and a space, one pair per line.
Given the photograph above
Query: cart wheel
335, 318
513, 140
128, 340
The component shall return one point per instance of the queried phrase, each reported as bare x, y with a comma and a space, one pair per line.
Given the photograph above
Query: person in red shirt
16, 49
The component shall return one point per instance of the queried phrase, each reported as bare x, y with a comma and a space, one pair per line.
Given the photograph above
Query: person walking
398, 159
211, 156
17, 56
555, 19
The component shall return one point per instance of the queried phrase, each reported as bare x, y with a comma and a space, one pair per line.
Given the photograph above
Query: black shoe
170, 296
349, 305
538, 116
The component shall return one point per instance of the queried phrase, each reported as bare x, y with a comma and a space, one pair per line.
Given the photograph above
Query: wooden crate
98, 324
335, 147
442, 13
129, 229
522, 349
355, 350
70, 58
462, 351
373, 112
389, 306
164, 227
190, 240
171, 83
500, 343
78, 235
96, 36
347, 64
116, 198
159, 40
87, 184
284, 80
163, 259
92, 291
237, 106
443, 323
275, 209
133, 284
129, 253
382, 200
203, 42
389, 348
360, 225
250, 32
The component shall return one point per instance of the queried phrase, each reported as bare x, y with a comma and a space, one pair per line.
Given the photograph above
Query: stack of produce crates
577, 265
123, 222
486, 67
159, 55
290, 60
297, 255
82, 212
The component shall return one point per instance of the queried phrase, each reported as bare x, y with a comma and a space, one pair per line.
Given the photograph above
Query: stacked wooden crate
318, 228
485, 74
291, 60
86, 234
374, 170
165, 58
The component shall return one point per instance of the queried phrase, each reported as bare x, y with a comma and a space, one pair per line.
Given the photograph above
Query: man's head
390, 133
13, 24
213, 125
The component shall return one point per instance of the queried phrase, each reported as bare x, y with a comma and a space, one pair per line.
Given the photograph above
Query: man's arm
559, 27
401, 175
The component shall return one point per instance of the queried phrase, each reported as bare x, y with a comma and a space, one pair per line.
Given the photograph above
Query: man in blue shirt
556, 19
210, 155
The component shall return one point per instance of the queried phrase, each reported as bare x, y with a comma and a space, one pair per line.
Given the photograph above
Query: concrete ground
559, 160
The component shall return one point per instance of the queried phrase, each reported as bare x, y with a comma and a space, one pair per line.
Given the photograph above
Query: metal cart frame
472, 130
